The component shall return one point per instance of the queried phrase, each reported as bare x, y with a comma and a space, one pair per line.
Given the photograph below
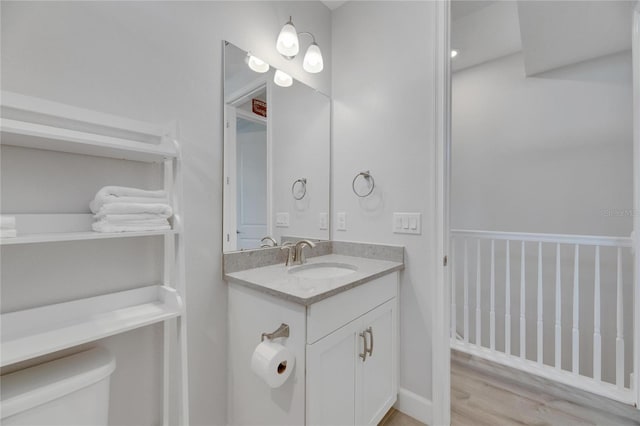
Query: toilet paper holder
282, 331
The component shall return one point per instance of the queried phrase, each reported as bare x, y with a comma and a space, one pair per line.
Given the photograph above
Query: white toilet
69, 391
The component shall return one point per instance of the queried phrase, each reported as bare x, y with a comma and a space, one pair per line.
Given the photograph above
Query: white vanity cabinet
344, 339
348, 383
352, 372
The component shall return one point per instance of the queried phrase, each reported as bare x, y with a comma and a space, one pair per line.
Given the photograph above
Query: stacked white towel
122, 209
7, 226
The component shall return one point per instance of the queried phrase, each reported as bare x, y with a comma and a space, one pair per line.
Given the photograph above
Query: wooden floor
486, 394
396, 418
483, 393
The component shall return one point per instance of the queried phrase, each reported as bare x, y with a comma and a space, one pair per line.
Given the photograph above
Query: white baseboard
414, 405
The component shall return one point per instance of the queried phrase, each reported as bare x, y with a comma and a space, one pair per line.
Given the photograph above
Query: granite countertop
277, 281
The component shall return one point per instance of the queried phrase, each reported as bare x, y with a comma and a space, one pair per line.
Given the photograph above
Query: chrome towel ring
371, 183
302, 184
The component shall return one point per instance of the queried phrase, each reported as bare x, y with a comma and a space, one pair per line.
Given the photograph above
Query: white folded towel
105, 226
8, 233
123, 191
133, 218
116, 221
97, 204
121, 194
7, 222
159, 210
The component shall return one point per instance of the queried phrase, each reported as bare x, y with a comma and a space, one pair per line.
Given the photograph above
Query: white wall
157, 61
548, 153
383, 122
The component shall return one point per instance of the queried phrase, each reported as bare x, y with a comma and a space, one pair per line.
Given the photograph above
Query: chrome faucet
263, 243
287, 245
298, 254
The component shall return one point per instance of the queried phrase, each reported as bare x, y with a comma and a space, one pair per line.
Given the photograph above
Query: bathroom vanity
342, 312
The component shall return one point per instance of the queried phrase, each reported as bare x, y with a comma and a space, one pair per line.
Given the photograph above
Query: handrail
591, 240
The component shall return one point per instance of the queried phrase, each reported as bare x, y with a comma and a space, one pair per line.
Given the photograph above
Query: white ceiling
334, 4
557, 34
460, 8
481, 34
550, 34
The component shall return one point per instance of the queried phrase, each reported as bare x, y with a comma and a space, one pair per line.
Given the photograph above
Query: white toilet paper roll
273, 363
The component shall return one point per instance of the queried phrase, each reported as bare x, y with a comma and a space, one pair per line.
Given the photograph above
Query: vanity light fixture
313, 59
282, 79
288, 45
257, 64
454, 53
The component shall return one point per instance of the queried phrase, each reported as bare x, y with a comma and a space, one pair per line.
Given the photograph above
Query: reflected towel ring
303, 190
367, 176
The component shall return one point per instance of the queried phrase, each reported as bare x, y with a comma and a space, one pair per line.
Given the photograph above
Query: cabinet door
331, 377
377, 390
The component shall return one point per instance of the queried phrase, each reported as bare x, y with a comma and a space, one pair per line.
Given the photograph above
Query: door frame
229, 214
229, 201
636, 199
441, 277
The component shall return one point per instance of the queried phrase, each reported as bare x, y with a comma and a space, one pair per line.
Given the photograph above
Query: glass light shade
287, 43
313, 59
257, 64
282, 79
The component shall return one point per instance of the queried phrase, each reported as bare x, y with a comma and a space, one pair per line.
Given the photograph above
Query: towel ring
303, 186
367, 176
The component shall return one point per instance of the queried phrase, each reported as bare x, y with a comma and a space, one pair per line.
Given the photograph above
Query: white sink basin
323, 270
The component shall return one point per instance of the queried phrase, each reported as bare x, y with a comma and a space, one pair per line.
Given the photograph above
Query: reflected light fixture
257, 64
282, 79
454, 53
287, 43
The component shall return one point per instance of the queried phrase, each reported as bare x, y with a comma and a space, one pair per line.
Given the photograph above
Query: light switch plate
342, 221
282, 220
323, 221
407, 223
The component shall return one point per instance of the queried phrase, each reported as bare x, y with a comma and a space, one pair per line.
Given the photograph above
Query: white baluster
507, 304
575, 331
558, 345
597, 339
454, 332
492, 311
523, 321
619, 327
540, 328
478, 288
466, 292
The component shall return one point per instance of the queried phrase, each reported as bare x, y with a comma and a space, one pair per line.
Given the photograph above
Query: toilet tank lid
33, 386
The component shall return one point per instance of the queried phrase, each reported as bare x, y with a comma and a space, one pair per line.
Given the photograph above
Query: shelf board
39, 136
77, 236
35, 332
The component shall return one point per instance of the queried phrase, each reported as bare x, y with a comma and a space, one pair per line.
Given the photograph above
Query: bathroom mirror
276, 156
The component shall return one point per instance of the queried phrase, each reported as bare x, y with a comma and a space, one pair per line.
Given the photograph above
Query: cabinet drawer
330, 314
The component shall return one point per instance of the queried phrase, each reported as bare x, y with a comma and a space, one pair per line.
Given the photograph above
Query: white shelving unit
80, 321
40, 124
50, 228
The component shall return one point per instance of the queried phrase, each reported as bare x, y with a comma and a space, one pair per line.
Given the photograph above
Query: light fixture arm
309, 34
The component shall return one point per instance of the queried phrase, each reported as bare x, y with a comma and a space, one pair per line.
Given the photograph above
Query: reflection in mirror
276, 156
